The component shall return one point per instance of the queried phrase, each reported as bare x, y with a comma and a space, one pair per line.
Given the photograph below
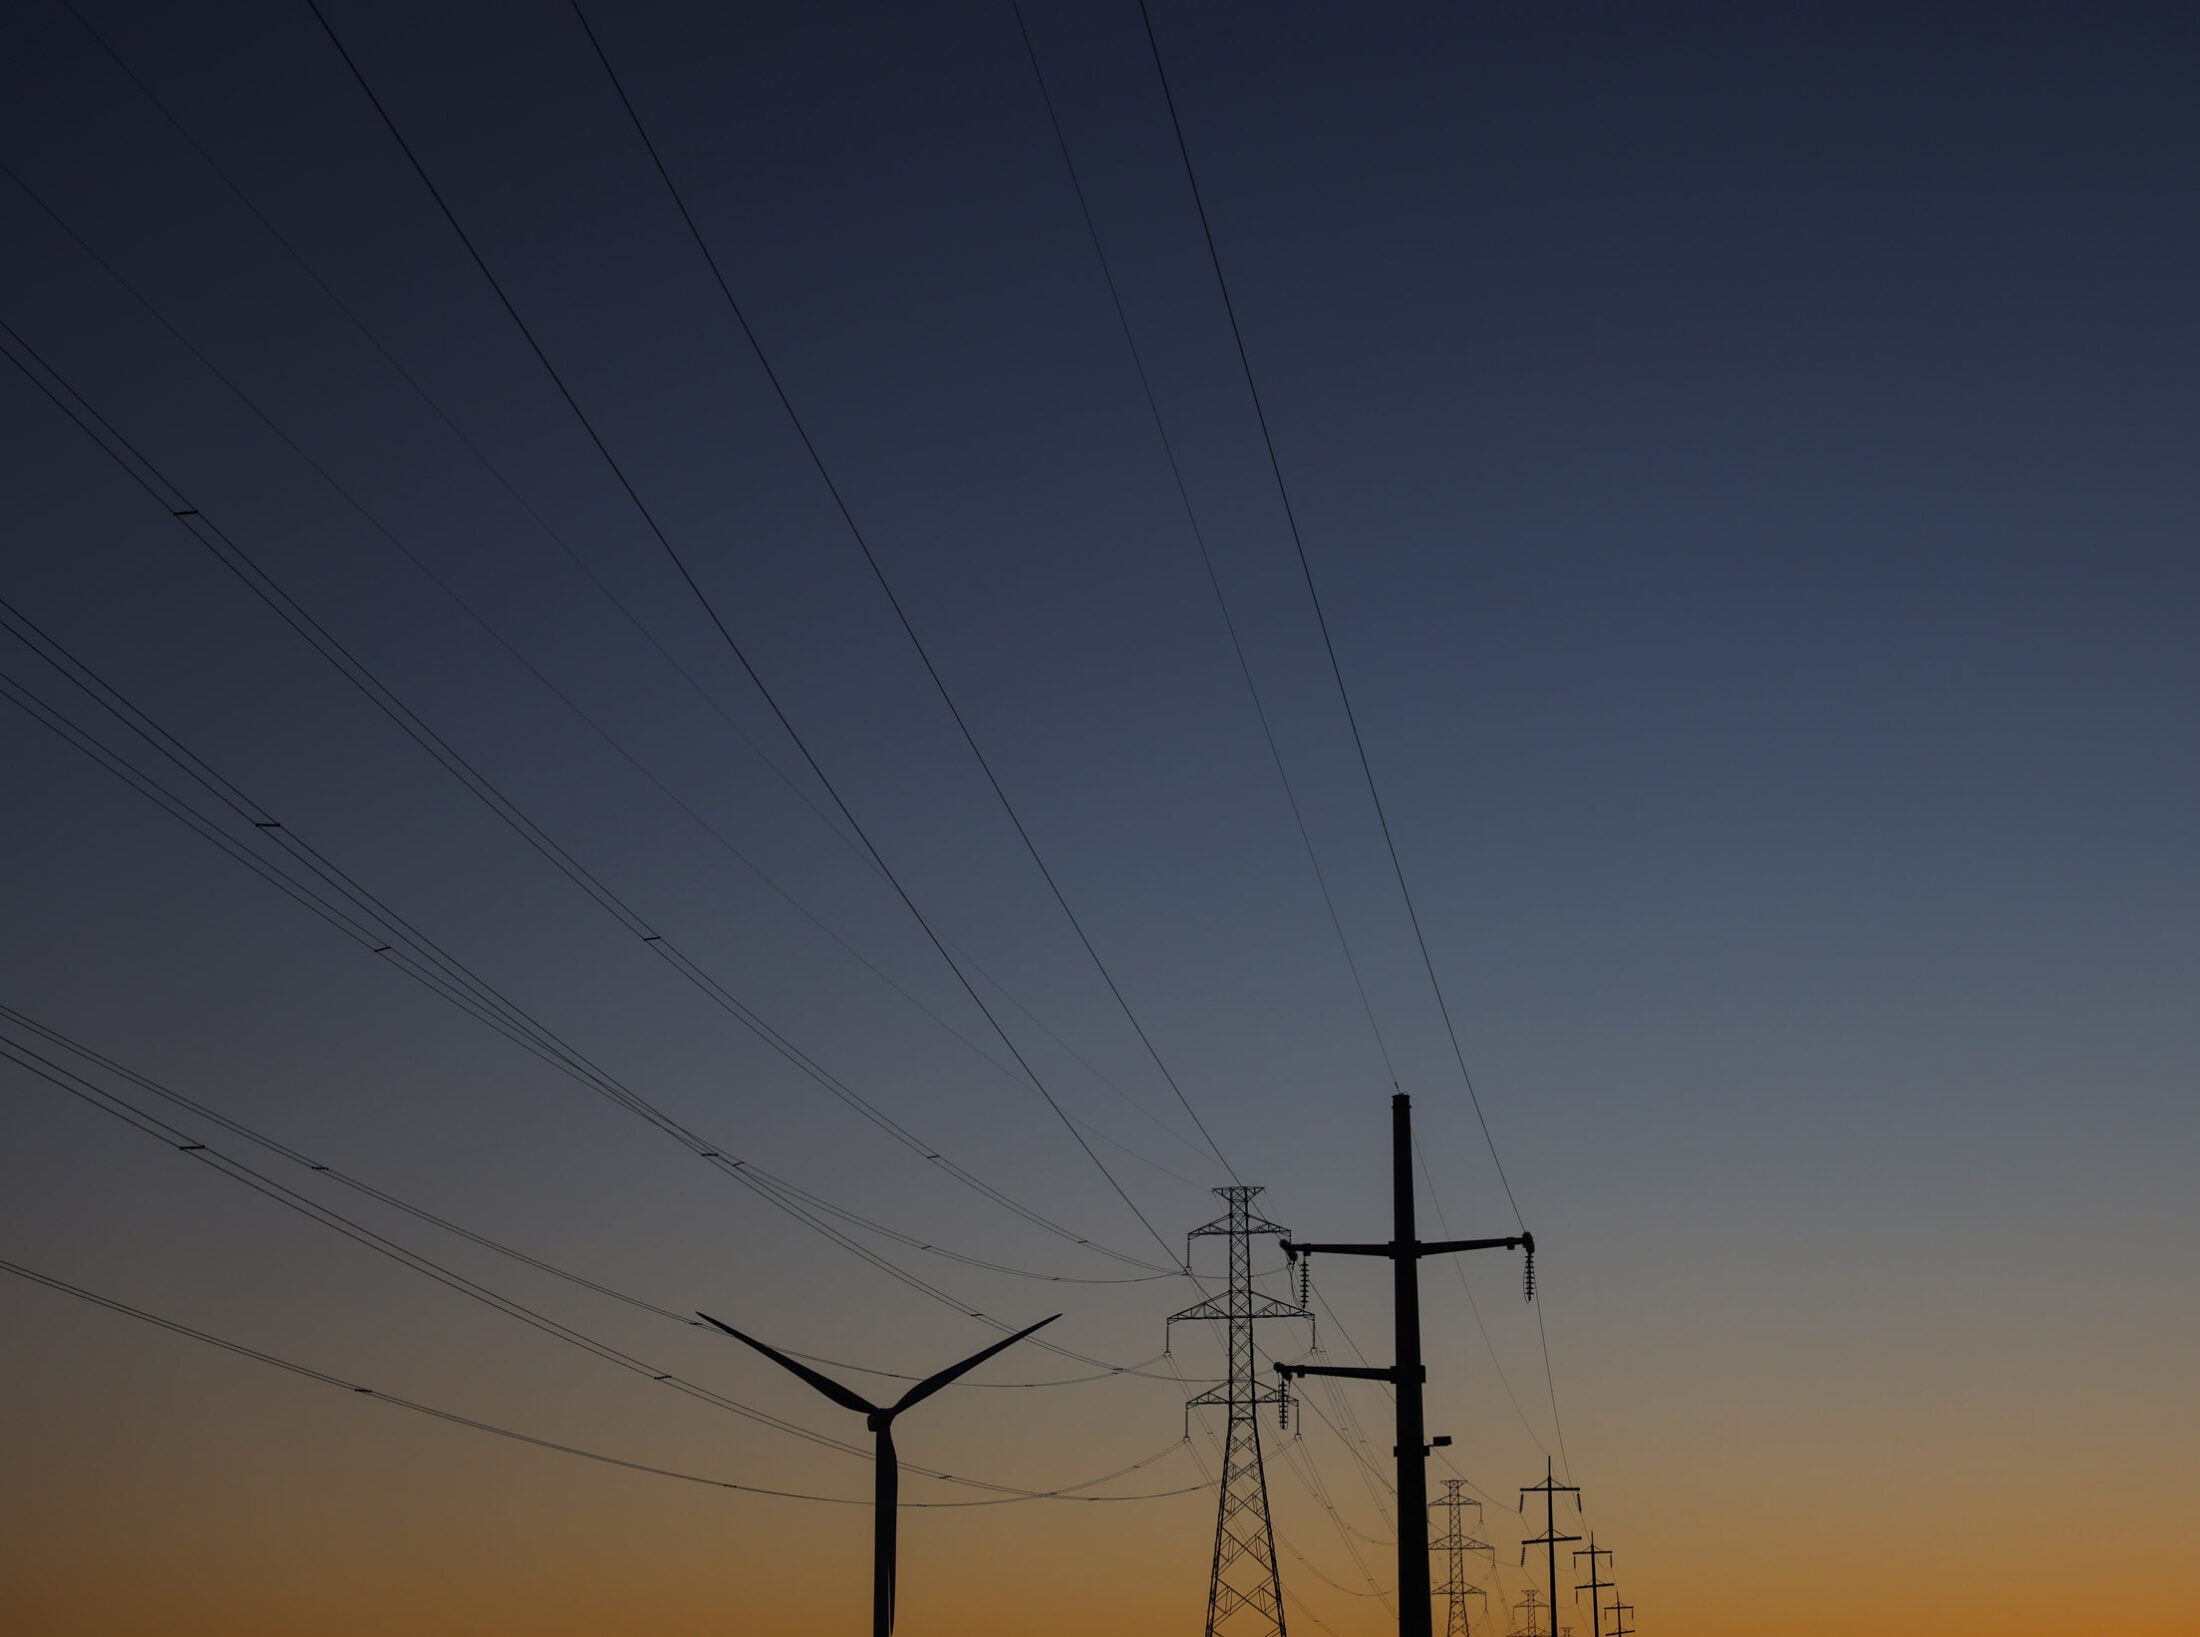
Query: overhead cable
1199, 539
893, 599
710, 610
232, 556
1329, 646
174, 1327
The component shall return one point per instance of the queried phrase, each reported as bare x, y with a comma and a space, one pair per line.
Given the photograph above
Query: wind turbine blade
932, 1384
824, 1384
885, 1529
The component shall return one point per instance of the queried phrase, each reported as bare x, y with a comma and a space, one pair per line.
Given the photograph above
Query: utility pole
1455, 1545
1408, 1374
1620, 1627
1593, 1585
1550, 1489
1244, 1594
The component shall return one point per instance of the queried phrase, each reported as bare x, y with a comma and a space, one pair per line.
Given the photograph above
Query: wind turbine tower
886, 1479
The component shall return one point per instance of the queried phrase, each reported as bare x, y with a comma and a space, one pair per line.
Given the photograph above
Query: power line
1296, 1456
336, 1174
596, 581
863, 543
514, 816
389, 934
1344, 696
175, 1327
1329, 646
1199, 536
413, 384
618, 747
225, 549
664, 540
90, 1092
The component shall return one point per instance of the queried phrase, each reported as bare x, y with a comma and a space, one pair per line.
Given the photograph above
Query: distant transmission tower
1619, 1612
1528, 1606
1244, 1595
1455, 1543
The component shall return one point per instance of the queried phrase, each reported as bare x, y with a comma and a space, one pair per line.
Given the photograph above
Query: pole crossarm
1295, 1248
1263, 1307
1356, 1372
1444, 1247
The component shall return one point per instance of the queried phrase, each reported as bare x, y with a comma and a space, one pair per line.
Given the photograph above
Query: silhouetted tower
1244, 1595
1619, 1612
1550, 1489
1407, 1374
1455, 1544
1528, 1626
1593, 1584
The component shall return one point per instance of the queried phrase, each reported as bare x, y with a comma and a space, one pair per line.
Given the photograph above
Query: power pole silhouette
1244, 1595
1408, 1374
1619, 1612
1528, 1603
1550, 1489
1455, 1545
1593, 1585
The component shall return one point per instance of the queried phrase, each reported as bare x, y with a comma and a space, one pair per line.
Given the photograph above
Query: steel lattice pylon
1455, 1543
1244, 1595
1533, 1604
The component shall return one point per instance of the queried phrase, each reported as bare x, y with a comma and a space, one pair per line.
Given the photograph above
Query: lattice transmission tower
1529, 1607
1244, 1594
1455, 1543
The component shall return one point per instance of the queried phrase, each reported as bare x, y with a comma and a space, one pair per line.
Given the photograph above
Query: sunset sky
1746, 458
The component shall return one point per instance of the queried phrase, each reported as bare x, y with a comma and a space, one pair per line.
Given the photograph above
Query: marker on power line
1550, 1489
1593, 1585
1408, 1374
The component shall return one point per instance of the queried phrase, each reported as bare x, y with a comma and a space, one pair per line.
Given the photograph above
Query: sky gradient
1745, 455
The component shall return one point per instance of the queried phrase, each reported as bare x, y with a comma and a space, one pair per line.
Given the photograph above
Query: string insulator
1306, 1280
1283, 1413
1527, 1277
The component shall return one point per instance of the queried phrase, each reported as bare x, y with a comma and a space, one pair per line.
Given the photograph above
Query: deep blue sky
1745, 455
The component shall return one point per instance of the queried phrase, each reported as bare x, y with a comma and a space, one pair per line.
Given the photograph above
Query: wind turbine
887, 1477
